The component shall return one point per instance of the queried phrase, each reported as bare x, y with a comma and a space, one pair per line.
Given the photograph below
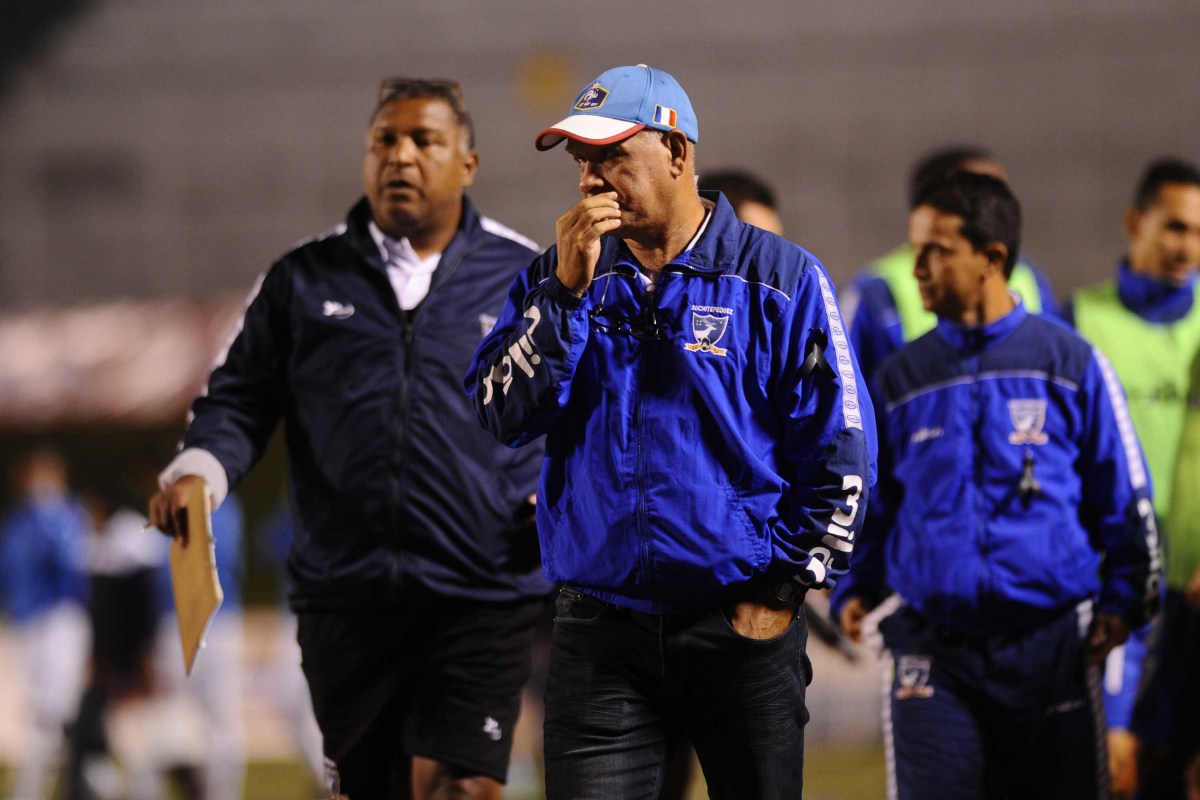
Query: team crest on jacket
912, 673
1028, 418
594, 97
708, 328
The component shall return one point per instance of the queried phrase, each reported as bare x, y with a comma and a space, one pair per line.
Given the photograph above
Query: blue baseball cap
621, 102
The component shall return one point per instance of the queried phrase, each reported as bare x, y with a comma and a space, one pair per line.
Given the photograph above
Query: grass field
852, 772
831, 772
844, 758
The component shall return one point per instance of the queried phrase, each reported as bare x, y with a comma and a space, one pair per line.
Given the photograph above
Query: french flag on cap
664, 116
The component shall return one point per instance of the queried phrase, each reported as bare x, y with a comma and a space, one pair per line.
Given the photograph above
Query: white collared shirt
410, 275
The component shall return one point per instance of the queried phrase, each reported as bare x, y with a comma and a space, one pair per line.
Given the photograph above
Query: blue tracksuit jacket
681, 468
966, 413
41, 556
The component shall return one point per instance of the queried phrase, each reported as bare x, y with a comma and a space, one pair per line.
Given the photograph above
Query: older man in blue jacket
709, 450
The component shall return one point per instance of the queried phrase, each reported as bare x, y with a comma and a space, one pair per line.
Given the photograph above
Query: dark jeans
623, 685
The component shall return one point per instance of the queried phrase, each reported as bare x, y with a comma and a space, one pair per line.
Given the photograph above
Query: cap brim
589, 129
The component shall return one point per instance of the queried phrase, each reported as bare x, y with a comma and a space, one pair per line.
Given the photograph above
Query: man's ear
470, 167
678, 144
997, 255
1133, 218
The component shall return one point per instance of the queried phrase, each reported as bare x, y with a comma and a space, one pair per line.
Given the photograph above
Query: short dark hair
1160, 172
941, 163
427, 89
989, 210
739, 187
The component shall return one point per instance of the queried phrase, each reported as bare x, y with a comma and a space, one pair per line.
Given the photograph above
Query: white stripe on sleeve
1129, 440
851, 410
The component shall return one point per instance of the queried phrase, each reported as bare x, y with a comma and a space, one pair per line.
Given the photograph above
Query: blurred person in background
883, 304
44, 589
707, 438
285, 678
130, 736
1146, 320
1011, 544
414, 567
1185, 510
216, 684
753, 200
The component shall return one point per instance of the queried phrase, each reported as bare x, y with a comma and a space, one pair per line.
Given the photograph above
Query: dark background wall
162, 147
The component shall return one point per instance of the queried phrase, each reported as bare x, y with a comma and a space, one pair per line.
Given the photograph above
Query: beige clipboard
194, 579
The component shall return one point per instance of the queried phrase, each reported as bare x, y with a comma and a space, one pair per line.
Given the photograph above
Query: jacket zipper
980, 500
398, 445
408, 335
651, 303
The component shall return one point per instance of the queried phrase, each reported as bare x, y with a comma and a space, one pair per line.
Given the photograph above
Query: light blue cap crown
621, 102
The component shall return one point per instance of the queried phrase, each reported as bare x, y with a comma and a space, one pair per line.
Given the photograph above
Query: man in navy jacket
414, 567
1011, 543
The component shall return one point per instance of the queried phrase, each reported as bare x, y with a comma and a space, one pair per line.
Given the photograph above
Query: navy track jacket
1012, 485
724, 438
393, 480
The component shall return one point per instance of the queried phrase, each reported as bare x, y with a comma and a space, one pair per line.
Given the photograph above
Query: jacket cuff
559, 293
194, 461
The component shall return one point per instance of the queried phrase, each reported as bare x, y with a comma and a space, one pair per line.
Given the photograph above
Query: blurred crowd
108, 708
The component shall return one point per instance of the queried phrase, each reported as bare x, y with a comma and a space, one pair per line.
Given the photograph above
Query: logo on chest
1028, 418
332, 308
709, 324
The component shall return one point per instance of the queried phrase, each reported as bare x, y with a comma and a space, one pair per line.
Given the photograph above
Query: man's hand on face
578, 232
168, 507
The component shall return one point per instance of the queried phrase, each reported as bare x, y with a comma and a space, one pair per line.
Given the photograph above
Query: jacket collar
970, 338
1154, 300
468, 238
715, 253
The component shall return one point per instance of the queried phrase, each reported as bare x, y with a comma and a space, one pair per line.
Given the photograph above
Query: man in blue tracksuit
414, 567
43, 591
709, 450
1011, 542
